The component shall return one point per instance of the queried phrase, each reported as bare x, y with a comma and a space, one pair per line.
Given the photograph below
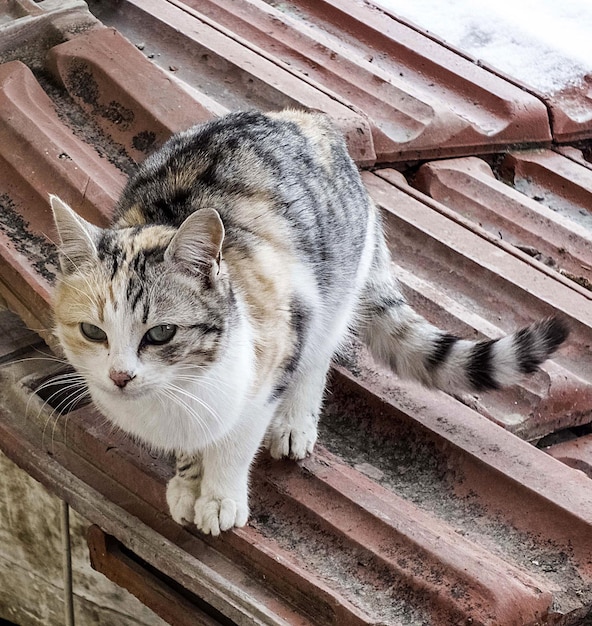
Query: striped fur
241, 255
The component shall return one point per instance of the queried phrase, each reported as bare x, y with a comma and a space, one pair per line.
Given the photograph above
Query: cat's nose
121, 379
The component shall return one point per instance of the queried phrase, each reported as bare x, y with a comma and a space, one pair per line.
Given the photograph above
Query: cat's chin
168, 429
115, 400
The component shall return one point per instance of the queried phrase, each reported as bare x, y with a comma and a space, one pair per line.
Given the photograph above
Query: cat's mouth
129, 392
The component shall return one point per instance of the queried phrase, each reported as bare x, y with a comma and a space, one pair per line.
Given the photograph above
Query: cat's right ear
77, 236
197, 245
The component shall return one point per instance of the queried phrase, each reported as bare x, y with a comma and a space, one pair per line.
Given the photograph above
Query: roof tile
420, 99
576, 453
132, 100
464, 280
416, 507
230, 69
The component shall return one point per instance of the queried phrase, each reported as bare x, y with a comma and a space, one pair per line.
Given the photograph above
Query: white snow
546, 44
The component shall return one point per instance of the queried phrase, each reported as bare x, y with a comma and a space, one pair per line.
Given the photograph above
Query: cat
205, 319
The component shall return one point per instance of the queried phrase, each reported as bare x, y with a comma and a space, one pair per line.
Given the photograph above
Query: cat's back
282, 183
284, 158
297, 220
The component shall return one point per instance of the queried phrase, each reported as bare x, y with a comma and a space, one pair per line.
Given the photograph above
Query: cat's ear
77, 236
197, 245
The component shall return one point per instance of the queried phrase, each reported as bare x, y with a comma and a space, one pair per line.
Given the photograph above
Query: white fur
215, 416
293, 429
142, 410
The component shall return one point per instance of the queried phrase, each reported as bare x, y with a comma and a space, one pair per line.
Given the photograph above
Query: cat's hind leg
293, 429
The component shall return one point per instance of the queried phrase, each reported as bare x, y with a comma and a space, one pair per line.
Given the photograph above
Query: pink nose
121, 379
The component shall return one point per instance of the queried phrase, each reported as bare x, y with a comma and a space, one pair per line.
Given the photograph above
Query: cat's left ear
77, 236
197, 245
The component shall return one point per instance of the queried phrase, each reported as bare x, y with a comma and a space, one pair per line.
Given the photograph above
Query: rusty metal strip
125, 467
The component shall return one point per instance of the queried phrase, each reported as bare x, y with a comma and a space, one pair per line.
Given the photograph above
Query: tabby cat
204, 320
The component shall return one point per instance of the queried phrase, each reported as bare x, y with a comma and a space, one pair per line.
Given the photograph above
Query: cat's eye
92, 332
160, 334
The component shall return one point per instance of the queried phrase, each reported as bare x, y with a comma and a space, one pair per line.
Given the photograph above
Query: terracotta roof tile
570, 108
329, 544
528, 219
230, 69
576, 453
131, 100
461, 278
420, 99
416, 508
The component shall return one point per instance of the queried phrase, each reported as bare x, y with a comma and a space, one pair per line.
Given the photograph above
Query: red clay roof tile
576, 453
416, 507
421, 99
463, 280
133, 101
529, 221
230, 69
570, 107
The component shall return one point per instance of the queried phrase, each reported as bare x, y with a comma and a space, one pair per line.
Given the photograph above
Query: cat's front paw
181, 495
295, 441
214, 514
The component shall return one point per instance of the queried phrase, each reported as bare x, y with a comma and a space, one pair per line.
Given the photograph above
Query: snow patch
543, 43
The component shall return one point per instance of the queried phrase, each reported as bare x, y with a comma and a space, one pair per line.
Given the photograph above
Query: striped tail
416, 349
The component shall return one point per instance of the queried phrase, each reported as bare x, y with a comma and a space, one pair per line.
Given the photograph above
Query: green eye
92, 332
160, 334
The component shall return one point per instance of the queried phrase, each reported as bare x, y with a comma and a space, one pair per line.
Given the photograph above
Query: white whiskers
207, 378
173, 393
70, 385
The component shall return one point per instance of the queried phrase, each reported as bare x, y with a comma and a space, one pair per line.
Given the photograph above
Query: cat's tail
414, 348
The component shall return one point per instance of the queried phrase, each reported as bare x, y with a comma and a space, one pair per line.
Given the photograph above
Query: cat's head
140, 310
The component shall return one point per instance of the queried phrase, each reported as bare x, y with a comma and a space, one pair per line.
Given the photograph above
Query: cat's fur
254, 236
